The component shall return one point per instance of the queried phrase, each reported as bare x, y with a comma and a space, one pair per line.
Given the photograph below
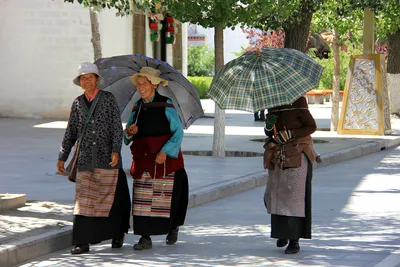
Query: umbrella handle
274, 129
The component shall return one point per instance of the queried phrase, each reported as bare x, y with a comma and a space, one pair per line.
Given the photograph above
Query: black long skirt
146, 225
289, 227
93, 230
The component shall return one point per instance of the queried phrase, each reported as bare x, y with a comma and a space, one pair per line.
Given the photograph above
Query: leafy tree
200, 60
217, 14
294, 17
340, 18
388, 28
123, 7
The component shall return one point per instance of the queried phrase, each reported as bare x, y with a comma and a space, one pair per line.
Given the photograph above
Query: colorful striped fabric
94, 192
276, 77
152, 197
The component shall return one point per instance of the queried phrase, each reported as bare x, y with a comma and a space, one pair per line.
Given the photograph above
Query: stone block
12, 201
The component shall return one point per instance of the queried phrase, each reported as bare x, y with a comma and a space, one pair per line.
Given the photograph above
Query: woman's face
145, 87
88, 81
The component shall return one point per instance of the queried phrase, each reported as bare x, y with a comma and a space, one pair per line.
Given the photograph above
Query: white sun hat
150, 73
86, 68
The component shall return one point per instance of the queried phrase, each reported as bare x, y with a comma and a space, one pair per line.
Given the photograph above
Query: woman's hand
114, 159
60, 167
132, 130
161, 157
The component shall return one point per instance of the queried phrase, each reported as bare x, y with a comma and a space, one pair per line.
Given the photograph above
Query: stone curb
33, 247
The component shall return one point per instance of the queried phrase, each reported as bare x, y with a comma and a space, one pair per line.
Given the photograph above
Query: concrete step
11, 201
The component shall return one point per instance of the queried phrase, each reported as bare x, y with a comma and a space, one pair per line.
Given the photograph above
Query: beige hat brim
154, 80
100, 79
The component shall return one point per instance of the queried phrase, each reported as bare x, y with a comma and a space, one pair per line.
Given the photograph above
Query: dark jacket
298, 119
103, 134
295, 117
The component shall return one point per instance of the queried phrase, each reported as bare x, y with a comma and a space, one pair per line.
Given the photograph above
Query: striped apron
152, 196
95, 191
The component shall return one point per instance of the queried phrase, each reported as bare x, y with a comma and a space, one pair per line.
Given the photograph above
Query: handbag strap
162, 195
90, 113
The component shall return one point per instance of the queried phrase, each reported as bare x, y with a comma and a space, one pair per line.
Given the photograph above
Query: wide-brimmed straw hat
86, 68
150, 73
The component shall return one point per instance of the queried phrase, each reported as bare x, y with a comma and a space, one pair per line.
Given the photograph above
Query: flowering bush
382, 48
258, 39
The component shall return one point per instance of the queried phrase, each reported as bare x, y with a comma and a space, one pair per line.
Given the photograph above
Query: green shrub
202, 84
200, 60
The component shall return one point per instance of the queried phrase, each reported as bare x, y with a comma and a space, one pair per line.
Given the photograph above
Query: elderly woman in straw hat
102, 202
155, 133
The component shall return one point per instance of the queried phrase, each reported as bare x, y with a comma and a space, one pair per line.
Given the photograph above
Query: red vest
144, 152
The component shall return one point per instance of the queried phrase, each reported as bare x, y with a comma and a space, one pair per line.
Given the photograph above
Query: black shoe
117, 242
293, 247
144, 243
172, 236
80, 249
280, 243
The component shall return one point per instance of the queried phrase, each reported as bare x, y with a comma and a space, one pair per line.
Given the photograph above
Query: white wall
394, 92
115, 33
42, 43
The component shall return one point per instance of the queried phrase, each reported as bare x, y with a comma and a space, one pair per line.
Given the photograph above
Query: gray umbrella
117, 70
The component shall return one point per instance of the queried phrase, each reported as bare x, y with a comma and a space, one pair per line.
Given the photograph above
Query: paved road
356, 223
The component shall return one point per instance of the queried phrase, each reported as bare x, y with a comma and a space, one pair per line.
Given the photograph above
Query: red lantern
153, 25
171, 29
170, 19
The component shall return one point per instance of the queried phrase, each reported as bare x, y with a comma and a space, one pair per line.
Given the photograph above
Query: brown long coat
285, 191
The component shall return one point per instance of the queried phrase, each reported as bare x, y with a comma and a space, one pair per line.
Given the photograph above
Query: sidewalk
29, 148
356, 222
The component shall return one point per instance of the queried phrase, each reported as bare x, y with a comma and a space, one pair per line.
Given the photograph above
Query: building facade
43, 42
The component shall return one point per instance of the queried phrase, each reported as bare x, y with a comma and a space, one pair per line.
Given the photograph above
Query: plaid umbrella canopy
263, 79
117, 70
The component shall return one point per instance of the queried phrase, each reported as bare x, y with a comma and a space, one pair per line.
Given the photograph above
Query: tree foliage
123, 7
339, 16
387, 14
200, 60
284, 13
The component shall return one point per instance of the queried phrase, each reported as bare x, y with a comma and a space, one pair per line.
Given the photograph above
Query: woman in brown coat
288, 156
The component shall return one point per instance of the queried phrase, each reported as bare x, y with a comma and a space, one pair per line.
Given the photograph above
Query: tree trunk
336, 82
394, 53
296, 33
393, 70
95, 34
219, 116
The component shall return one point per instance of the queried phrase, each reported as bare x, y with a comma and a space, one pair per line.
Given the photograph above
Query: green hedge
202, 84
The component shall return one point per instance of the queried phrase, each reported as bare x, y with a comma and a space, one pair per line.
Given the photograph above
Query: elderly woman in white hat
102, 202
155, 133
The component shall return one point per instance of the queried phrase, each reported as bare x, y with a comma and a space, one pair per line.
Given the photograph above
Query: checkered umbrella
264, 79
117, 70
